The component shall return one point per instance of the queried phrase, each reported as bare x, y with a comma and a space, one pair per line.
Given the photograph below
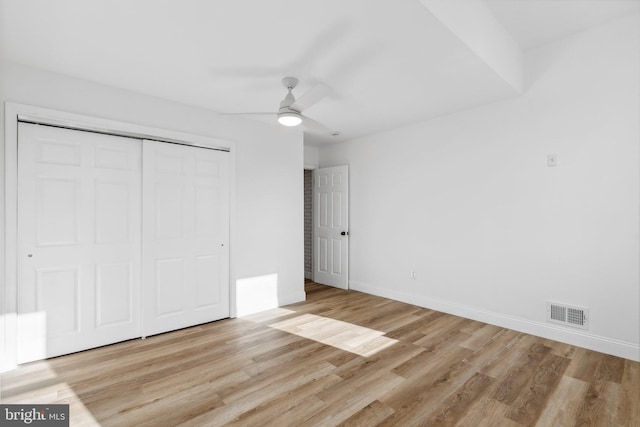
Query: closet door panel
185, 236
79, 240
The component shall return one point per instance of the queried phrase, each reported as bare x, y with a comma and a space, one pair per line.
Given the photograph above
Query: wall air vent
569, 315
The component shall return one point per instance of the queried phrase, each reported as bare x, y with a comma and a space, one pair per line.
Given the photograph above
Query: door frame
12, 112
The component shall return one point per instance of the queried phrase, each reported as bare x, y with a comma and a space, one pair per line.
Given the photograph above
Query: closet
118, 238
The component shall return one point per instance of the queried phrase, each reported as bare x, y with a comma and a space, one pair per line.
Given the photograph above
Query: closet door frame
16, 112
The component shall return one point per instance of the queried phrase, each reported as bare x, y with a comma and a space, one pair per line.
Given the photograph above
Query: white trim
8, 289
83, 126
602, 344
58, 118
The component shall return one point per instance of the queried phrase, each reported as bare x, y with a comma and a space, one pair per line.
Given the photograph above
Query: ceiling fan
290, 110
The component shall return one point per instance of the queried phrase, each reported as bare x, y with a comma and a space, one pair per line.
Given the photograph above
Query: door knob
344, 233
30, 255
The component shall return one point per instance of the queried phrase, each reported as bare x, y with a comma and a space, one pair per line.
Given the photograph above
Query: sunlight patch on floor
336, 333
35, 384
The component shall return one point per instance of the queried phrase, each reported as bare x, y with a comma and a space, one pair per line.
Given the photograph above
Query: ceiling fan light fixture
289, 119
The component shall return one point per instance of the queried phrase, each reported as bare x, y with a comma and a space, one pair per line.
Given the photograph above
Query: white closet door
79, 228
185, 236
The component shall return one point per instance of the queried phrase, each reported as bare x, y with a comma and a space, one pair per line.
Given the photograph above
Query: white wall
311, 156
467, 200
267, 251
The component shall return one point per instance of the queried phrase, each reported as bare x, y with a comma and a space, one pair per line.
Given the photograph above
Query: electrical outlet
412, 274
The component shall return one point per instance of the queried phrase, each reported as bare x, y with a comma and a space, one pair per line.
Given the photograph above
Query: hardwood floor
340, 358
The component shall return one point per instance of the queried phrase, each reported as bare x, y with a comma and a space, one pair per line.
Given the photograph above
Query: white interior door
185, 236
79, 228
331, 226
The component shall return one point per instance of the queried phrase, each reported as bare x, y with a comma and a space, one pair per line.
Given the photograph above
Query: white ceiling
535, 22
388, 63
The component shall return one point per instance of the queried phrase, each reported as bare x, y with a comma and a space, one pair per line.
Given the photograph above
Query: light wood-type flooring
340, 358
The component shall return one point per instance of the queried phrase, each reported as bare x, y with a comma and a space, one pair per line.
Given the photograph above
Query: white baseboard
602, 344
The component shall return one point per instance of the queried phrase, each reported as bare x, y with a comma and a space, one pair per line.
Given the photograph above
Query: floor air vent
576, 317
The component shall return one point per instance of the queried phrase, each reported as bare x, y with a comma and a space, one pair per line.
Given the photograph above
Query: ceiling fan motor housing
290, 82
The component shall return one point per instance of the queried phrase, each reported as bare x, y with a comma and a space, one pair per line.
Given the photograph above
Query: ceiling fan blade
314, 126
311, 97
247, 114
